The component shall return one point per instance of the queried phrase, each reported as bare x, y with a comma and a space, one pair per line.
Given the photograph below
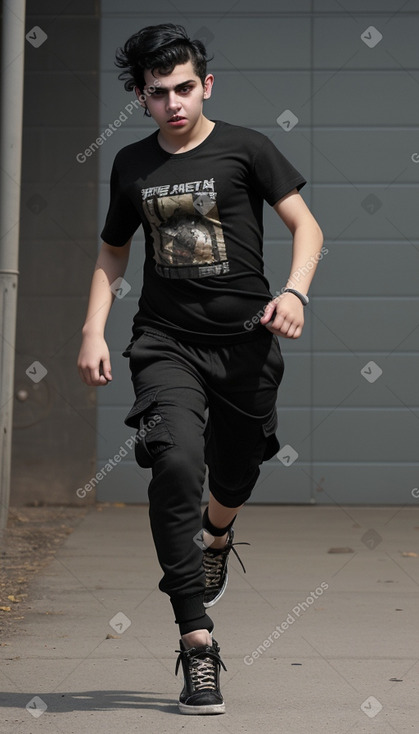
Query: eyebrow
178, 86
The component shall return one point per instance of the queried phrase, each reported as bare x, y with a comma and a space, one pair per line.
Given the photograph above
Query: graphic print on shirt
187, 233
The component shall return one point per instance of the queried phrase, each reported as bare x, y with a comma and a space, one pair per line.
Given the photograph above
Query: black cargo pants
199, 405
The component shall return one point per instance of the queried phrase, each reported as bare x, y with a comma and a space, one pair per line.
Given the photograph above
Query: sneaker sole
211, 603
215, 708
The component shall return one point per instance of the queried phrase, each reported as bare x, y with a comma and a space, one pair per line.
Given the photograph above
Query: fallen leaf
409, 554
5, 609
13, 599
340, 550
398, 680
111, 637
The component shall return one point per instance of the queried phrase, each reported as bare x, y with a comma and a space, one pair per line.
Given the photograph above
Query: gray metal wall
354, 428
54, 437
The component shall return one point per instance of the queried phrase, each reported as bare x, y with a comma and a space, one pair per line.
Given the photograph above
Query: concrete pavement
313, 641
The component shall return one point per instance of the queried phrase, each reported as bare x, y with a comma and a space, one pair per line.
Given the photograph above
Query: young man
204, 355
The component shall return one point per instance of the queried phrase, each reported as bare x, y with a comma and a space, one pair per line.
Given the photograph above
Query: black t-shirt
202, 213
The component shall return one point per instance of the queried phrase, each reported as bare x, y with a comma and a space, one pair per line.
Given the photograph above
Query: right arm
94, 363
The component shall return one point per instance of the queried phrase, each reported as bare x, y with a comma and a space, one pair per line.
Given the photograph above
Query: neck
183, 143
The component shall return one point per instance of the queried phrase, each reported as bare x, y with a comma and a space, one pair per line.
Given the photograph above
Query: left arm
306, 246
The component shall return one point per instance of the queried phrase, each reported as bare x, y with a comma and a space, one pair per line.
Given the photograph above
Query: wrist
91, 330
301, 296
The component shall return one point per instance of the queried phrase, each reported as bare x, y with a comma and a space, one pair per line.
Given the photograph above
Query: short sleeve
274, 175
122, 219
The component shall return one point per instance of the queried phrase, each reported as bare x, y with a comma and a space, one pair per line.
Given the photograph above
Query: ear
208, 83
140, 97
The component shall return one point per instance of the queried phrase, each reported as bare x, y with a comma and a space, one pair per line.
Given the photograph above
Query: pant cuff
190, 614
233, 499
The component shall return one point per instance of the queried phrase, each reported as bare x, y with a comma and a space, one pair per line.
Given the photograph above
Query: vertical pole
12, 67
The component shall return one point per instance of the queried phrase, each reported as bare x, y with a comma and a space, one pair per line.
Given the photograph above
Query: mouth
176, 119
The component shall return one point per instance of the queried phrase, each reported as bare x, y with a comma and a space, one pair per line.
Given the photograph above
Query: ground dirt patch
30, 541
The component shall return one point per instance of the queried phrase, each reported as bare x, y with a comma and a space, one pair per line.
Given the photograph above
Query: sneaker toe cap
204, 698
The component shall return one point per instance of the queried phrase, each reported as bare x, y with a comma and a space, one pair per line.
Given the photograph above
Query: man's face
176, 104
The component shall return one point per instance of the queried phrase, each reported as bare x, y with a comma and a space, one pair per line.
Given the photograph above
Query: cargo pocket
152, 435
271, 442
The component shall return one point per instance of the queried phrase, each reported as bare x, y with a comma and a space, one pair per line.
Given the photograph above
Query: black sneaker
215, 565
201, 670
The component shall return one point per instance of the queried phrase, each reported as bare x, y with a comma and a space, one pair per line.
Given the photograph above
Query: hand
94, 362
288, 313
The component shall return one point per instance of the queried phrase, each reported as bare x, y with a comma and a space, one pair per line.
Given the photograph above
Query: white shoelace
203, 673
213, 566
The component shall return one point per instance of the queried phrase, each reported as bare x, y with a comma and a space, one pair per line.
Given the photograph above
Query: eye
186, 90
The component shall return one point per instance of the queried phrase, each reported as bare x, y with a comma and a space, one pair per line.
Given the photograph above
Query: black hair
159, 47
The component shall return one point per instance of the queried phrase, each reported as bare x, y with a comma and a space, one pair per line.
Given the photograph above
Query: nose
173, 103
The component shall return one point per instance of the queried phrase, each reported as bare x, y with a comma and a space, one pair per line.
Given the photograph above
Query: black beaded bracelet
304, 299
